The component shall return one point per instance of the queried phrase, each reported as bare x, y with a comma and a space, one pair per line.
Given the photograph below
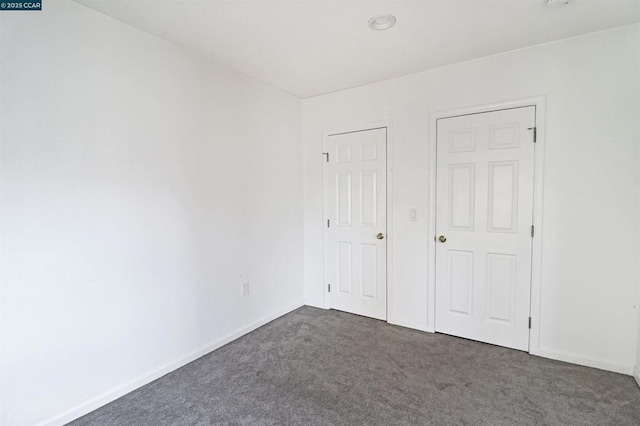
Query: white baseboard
315, 304
636, 374
408, 324
411, 324
587, 362
119, 391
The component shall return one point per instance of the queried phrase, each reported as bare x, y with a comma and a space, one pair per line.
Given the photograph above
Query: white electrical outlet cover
244, 288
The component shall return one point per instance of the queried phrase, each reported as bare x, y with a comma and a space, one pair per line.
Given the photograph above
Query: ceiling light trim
382, 22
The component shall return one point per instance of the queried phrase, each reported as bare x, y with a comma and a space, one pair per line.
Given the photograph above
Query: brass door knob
442, 239
380, 235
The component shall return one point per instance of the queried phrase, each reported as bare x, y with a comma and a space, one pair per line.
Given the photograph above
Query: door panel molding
461, 142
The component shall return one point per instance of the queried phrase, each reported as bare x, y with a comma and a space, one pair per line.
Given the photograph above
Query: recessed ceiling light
558, 2
382, 22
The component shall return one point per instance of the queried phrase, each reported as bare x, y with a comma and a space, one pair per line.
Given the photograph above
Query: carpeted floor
316, 367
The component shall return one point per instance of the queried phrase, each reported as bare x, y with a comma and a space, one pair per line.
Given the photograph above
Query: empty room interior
319, 212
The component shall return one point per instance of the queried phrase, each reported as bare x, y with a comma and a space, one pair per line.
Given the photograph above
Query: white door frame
325, 209
538, 189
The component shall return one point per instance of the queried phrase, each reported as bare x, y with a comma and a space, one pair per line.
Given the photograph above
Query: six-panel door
484, 213
355, 243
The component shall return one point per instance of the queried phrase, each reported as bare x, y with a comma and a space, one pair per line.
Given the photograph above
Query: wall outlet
244, 288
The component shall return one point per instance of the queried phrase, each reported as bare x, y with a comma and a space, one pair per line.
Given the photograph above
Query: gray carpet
315, 367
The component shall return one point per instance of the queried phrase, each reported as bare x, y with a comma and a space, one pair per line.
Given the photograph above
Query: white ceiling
313, 47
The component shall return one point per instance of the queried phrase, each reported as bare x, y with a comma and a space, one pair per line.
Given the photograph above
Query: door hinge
535, 133
327, 154
328, 223
533, 231
329, 288
529, 322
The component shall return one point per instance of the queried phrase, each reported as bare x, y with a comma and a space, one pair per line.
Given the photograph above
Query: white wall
138, 183
590, 270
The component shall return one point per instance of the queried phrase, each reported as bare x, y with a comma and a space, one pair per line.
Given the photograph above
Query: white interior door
356, 214
484, 217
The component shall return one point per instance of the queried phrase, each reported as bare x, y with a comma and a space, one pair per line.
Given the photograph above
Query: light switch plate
413, 215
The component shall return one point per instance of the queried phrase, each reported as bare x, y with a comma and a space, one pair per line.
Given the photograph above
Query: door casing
536, 259
325, 207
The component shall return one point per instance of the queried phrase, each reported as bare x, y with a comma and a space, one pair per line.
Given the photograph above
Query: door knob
442, 239
380, 235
